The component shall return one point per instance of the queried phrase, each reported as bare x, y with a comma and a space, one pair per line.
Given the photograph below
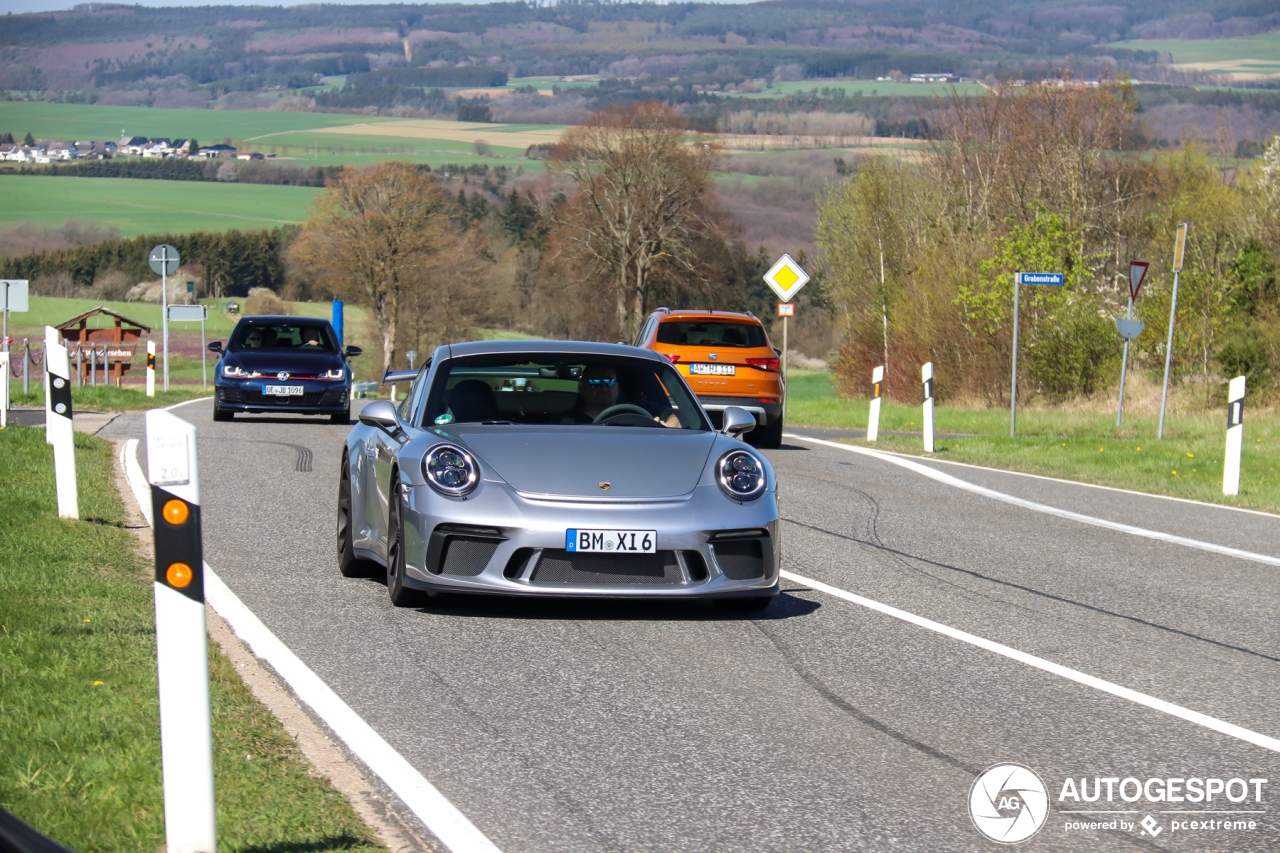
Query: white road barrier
58, 430
186, 735
873, 421
926, 378
151, 368
4, 390
1235, 437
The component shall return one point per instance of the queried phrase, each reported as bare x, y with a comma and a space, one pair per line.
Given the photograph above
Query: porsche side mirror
737, 422
351, 352
381, 414
214, 346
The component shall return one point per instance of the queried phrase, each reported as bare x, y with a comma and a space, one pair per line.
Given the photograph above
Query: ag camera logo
1008, 803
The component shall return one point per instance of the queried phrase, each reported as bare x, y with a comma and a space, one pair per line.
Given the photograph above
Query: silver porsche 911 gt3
552, 468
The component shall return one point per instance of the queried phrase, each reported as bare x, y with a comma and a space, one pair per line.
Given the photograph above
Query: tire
768, 437
349, 564
401, 596
342, 418
221, 414
754, 604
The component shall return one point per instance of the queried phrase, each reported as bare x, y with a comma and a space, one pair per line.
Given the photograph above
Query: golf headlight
336, 373
234, 370
450, 470
741, 475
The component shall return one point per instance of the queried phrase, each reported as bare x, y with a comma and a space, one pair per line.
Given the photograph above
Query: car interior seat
472, 400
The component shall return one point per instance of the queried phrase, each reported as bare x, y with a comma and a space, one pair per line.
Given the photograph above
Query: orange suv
727, 359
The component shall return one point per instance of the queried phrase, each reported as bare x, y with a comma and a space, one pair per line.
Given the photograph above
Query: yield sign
786, 278
1137, 272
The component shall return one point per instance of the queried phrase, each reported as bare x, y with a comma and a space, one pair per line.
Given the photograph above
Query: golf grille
465, 556
740, 559
559, 566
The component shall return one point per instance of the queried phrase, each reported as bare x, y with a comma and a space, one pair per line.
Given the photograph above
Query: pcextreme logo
1008, 803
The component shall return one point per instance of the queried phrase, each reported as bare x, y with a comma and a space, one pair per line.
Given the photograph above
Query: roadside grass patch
109, 398
1072, 445
79, 724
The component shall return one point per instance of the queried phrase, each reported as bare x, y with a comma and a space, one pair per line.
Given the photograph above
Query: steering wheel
621, 409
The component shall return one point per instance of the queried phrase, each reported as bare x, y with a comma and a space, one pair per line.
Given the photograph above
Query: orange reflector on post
178, 575
176, 511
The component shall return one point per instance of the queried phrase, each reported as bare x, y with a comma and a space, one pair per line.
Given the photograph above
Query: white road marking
449, 824
183, 403
1046, 509
1212, 723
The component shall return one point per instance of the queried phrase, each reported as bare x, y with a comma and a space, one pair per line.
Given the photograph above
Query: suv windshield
301, 337
712, 334
541, 388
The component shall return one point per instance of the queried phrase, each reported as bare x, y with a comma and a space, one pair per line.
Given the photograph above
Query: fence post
186, 739
873, 423
4, 389
926, 377
57, 419
26, 367
106, 364
1235, 437
93, 365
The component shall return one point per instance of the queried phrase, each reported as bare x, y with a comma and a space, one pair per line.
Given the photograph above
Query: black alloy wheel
341, 417
220, 414
401, 596
768, 437
349, 564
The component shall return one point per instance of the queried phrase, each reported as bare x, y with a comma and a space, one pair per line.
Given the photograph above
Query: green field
152, 207
1258, 55
870, 89
78, 121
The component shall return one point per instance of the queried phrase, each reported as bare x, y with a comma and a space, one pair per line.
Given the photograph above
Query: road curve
824, 724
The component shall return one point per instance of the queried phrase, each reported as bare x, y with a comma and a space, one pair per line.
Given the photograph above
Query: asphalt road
823, 724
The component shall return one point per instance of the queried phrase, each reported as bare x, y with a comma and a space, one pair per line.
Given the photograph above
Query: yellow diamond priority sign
786, 278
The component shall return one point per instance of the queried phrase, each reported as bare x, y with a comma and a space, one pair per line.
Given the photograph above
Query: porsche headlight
741, 475
450, 470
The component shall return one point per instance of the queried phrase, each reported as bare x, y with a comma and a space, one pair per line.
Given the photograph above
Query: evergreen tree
28, 140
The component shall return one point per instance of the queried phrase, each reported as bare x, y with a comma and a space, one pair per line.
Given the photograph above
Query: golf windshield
299, 337
546, 390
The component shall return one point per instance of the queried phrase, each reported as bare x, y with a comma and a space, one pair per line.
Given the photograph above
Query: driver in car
598, 390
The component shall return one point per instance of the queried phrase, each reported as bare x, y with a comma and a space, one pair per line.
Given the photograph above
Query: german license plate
712, 369
282, 390
611, 541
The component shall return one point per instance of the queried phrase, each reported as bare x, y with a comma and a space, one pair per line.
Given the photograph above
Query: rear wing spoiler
398, 376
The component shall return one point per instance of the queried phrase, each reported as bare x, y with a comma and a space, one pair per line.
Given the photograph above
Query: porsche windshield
537, 389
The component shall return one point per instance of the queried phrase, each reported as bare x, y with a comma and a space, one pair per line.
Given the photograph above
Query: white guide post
873, 422
151, 368
57, 422
1235, 437
4, 389
186, 740
926, 377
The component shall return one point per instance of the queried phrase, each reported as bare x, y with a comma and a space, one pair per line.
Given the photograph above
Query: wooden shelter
120, 339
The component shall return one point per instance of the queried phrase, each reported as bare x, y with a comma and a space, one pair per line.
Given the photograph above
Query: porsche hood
571, 461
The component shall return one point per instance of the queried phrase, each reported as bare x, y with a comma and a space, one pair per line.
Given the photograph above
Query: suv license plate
282, 390
712, 369
611, 541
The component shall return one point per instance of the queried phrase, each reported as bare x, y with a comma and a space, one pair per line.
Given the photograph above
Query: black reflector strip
178, 543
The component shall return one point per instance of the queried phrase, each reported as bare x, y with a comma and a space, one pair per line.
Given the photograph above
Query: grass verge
79, 723
109, 398
1073, 445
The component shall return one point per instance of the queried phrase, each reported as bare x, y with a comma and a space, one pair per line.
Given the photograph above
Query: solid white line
449, 824
184, 402
1134, 696
1046, 509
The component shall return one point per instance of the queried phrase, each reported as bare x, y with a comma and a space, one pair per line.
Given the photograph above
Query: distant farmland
152, 207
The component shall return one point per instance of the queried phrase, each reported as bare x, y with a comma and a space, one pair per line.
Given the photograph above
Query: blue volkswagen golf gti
274, 364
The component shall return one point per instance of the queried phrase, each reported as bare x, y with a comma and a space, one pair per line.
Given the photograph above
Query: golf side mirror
351, 352
214, 346
737, 422
381, 414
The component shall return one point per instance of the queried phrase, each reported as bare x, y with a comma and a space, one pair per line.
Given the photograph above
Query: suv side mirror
737, 422
214, 346
351, 352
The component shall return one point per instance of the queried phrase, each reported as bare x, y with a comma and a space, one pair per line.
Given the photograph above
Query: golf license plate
711, 369
611, 541
283, 390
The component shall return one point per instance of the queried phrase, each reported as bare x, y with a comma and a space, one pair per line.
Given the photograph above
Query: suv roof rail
665, 310
752, 316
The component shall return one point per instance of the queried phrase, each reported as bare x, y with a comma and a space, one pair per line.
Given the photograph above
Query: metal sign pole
1013, 393
784, 364
164, 309
1179, 250
1124, 368
204, 369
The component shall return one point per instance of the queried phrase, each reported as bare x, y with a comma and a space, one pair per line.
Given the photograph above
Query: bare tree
643, 202
373, 233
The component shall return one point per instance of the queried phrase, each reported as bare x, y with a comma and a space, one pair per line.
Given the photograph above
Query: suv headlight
451, 470
741, 475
